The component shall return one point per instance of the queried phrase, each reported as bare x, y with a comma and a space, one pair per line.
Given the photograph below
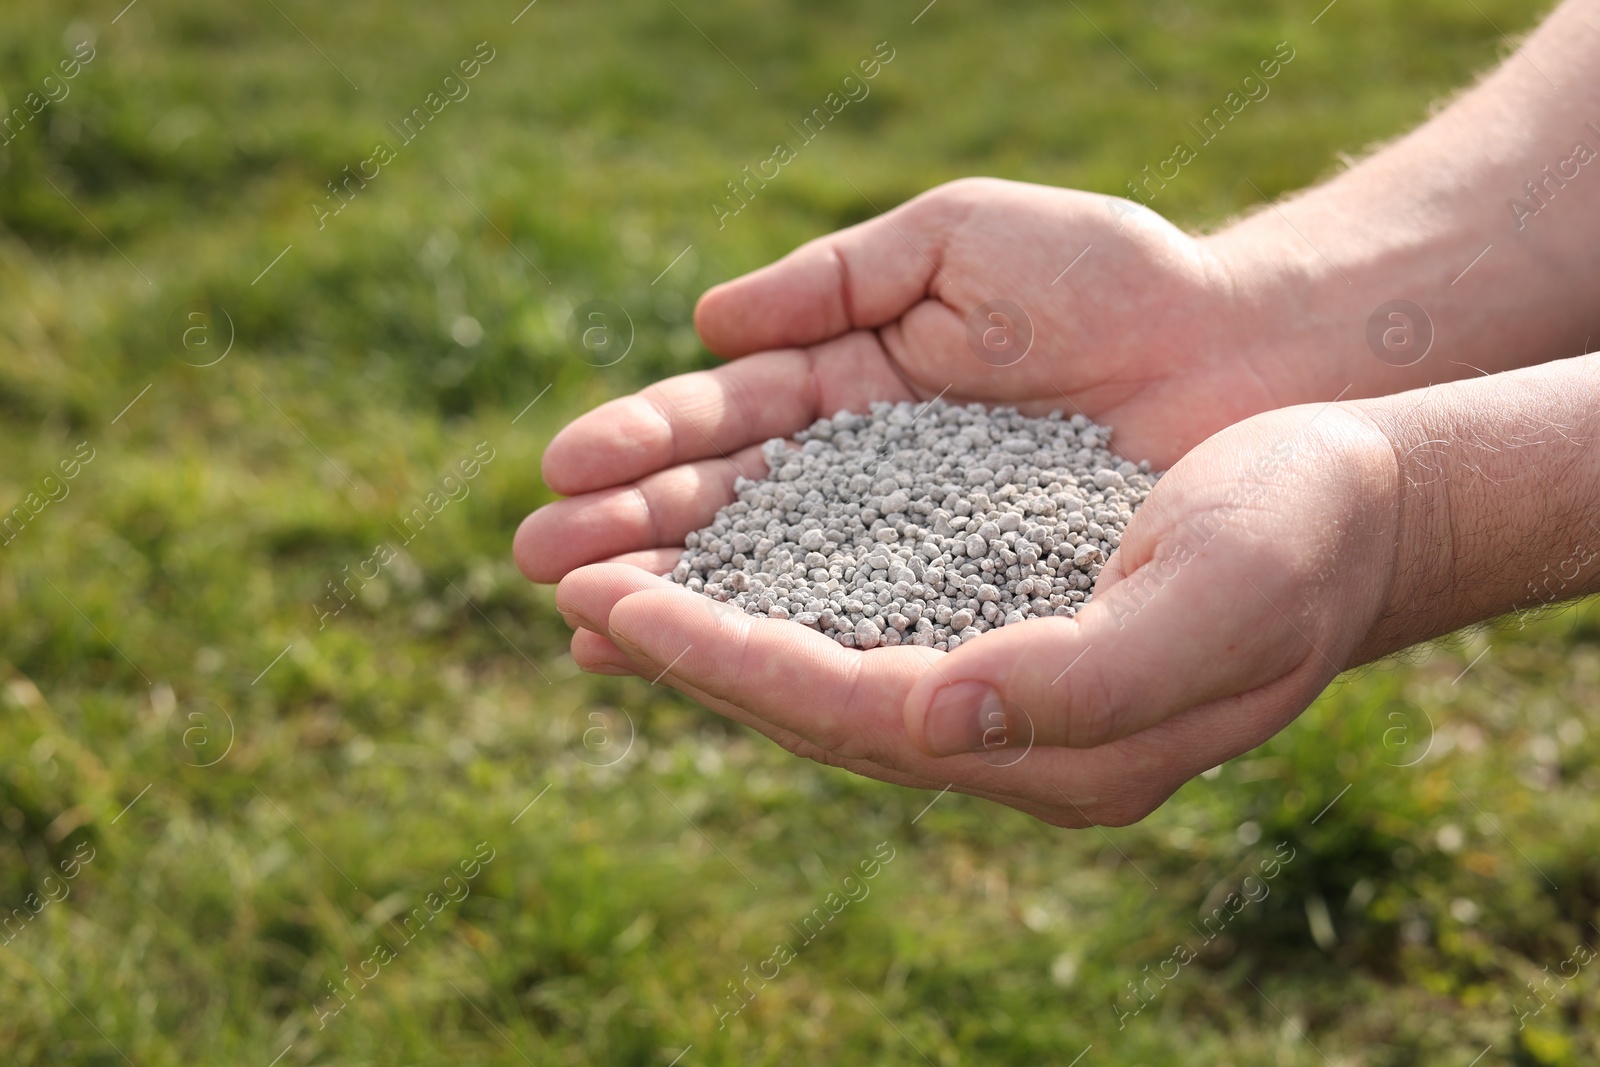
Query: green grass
371, 759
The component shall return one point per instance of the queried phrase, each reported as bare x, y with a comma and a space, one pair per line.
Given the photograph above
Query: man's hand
1141, 334
1132, 321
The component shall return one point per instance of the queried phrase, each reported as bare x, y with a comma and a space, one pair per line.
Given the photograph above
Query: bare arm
1510, 172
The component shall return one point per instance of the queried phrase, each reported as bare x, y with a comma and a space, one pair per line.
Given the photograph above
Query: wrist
1351, 316
1293, 325
1499, 502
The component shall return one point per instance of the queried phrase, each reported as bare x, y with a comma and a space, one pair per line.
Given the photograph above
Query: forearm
1499, 497
1487, 217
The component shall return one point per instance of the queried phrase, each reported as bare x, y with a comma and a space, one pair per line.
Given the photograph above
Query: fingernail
958, 717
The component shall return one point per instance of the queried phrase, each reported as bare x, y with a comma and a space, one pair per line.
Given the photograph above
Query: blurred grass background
161, 614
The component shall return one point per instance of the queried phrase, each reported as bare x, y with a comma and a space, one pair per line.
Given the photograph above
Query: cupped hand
1253, 574
1008, 293
1124, 318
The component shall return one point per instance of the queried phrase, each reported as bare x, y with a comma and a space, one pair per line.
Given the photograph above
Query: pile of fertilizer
920, 524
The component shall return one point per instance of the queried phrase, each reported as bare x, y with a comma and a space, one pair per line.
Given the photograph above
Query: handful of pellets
920, 524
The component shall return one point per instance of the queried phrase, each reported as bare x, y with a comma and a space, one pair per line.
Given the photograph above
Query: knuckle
856, 746
1093, 714
809, 750
836, 740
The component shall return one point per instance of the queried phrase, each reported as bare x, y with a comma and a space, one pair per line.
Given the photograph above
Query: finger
657, 511
593, 651
596, 654
683, 418
718, 412
783, 709
859, 278
790, 676
1184, 628
786, 674
799, 746
587, 595
1113, 785
815, 698
591, 594
655, 561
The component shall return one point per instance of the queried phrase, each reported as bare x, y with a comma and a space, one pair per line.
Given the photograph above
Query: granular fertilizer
920, 524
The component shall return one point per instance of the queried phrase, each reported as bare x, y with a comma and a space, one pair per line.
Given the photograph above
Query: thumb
1188, 626
861, 277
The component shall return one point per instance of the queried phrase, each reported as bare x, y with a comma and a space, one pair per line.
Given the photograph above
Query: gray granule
920, 524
